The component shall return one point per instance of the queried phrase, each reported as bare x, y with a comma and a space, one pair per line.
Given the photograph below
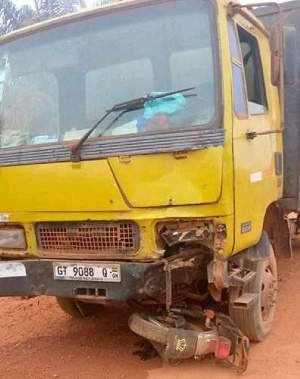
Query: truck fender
258, 252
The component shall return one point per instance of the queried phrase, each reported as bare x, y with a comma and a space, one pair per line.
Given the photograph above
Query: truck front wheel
77, 308
256, 321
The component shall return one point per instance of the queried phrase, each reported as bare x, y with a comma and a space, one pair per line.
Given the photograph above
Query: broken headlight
12, 238
186, 231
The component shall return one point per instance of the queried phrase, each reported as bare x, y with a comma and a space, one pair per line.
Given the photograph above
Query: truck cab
141, 159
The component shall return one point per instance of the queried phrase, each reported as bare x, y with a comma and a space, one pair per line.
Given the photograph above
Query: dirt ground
37, 340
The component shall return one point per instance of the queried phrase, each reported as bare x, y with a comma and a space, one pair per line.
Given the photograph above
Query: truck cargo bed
291, 135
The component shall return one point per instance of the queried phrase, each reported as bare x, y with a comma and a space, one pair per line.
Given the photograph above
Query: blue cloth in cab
164, 105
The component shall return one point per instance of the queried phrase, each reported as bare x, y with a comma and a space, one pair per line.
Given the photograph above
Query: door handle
252, 135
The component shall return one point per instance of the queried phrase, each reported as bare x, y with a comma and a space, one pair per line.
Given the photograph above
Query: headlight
187, 231
12, 238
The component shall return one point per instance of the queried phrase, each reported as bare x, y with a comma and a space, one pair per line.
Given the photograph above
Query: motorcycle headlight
12, 238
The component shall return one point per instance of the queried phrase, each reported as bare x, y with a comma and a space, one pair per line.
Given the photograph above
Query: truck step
240, 279
245, 301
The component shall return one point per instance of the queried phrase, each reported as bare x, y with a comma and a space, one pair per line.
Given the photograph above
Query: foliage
27, 16
12, 18
54, 8
9, 16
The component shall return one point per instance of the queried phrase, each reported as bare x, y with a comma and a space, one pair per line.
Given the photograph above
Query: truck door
255, 181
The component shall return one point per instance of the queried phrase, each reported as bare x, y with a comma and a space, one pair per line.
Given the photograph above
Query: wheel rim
268, 292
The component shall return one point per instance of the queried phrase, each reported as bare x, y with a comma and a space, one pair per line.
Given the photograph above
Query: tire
256, 321
77, 308
151, 330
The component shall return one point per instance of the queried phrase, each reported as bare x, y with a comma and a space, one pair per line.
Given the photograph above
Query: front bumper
138, 279
36, 277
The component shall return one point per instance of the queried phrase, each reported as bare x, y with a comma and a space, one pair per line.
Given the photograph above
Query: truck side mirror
289, 55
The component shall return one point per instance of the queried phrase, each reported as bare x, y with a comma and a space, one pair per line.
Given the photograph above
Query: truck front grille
87, 239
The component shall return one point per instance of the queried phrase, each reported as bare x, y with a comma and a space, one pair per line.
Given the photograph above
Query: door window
240, 99
257, 101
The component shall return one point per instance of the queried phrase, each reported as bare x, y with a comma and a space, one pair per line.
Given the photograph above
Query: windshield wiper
124, 107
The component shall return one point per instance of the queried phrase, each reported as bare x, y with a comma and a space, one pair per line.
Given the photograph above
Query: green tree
9, 16
53, 8
27, 16
12, 18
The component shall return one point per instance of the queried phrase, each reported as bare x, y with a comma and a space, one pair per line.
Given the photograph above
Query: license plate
87, 272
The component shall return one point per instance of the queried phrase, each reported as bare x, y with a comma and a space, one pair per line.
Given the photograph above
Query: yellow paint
161, 179
257, 155
212, 184
87, 186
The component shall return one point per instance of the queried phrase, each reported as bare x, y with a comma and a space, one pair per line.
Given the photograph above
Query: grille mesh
88, 238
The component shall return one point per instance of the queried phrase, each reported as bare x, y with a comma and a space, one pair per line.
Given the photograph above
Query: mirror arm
234, 8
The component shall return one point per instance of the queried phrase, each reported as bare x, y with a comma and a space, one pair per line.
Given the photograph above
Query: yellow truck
142, 159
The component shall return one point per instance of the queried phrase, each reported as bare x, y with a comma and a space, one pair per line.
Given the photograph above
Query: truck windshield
54, 84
